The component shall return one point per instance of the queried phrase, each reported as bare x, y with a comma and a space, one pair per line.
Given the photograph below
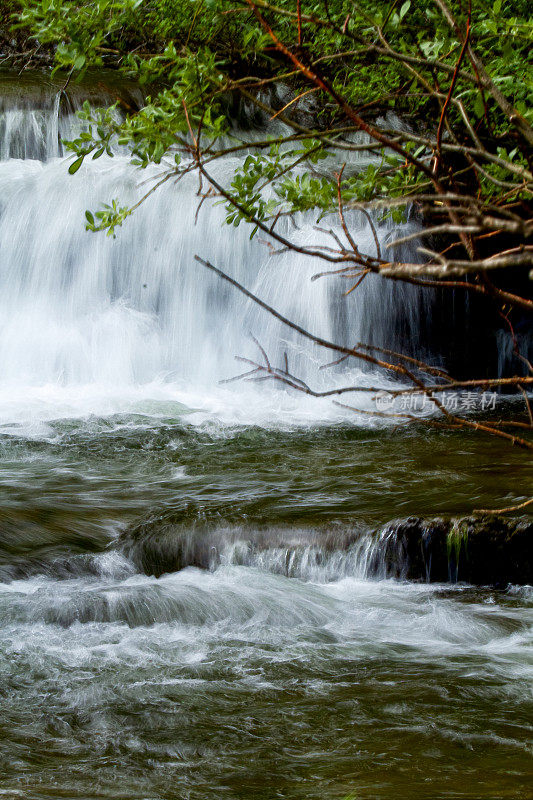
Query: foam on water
88, 619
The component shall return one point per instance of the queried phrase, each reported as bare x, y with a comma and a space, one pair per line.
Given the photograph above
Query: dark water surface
80, 480
241, 683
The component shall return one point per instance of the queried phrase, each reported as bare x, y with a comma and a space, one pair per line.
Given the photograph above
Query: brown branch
453, 82
503, 510
350, 351
485, 80
341, 212
481, 383
322, 83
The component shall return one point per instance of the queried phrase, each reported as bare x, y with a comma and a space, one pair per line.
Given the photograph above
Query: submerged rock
158, 547
482, 550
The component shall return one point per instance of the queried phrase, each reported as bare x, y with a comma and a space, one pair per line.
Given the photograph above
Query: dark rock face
483, 550
415, 549
491, 550
469, 336
486, 550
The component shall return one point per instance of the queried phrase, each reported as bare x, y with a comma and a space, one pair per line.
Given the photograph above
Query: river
248, 680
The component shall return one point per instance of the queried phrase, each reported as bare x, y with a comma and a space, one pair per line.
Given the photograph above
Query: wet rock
483, 550
416, 549
491, 550
157, 547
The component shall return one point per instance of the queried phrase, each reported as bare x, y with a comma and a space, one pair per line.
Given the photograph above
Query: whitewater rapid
199, 684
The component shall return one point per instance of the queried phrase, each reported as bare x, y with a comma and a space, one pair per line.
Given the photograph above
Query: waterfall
89, 322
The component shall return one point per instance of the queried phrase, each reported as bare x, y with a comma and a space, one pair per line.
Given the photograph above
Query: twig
503, 510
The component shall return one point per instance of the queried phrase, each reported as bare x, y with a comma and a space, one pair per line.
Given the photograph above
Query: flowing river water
254, 679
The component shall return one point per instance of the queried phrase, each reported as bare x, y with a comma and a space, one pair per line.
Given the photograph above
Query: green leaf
74, 167
479, 107
405, 8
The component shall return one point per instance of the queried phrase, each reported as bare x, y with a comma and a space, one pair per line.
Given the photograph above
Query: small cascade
472, 550
38, 112
306, 554
34, 133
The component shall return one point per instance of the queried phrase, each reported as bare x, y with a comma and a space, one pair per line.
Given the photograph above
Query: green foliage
192, 54
108, 218
79, 30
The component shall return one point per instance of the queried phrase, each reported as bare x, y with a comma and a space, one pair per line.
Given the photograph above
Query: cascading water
136, 316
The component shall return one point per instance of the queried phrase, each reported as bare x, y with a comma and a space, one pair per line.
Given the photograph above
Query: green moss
457, 542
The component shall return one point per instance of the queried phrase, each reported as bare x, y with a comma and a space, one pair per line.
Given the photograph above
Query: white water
125, 685
92, 324
378, 615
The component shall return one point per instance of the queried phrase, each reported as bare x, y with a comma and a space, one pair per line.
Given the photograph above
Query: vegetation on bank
11, 43
437, 93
